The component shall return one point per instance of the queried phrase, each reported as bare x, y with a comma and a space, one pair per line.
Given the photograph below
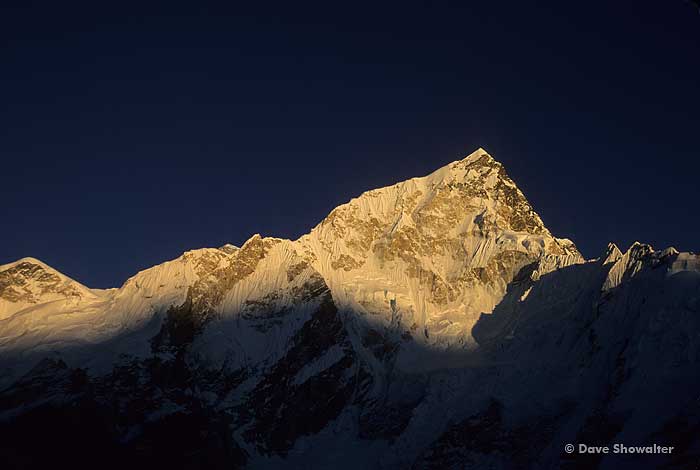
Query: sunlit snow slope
435, 323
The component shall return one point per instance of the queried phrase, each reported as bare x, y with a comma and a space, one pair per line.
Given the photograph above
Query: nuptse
435, 323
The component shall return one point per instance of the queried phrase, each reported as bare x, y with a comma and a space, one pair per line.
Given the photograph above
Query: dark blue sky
129, 134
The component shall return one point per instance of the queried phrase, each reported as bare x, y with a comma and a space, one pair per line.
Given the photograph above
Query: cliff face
28, 282
430, 254
435, 323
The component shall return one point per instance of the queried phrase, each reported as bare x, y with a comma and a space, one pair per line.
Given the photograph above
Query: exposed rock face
307, 388
29, 282
443, 248
435, 323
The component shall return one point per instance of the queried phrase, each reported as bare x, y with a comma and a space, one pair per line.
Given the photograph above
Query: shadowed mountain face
435, 323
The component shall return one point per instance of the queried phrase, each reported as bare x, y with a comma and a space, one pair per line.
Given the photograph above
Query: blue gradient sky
129, 134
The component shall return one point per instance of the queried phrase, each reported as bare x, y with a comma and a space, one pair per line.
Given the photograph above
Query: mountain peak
255, 238
447, 242
26, 260
476, 155
29, 281
479, 158
472, 192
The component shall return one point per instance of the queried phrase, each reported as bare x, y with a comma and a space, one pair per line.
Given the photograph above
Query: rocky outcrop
29, 282
443, 248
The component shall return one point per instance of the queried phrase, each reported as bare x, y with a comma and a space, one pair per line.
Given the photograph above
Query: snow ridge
428, 323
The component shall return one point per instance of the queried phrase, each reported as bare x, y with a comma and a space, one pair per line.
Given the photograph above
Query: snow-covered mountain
435, 323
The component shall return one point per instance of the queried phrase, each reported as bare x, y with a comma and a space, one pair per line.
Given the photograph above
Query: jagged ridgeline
435, 323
